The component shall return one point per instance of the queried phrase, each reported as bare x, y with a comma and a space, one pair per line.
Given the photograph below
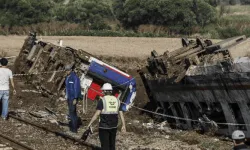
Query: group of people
108, 108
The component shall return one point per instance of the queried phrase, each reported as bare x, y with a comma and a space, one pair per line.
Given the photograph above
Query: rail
14, 143
61, 134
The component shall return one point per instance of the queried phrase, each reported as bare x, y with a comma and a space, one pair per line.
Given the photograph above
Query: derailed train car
208, 85
44, 65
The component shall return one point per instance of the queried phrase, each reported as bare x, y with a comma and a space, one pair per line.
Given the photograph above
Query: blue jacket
73, 87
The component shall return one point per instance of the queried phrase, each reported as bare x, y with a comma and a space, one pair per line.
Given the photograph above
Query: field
109, 46
239, 10
124, 52
232, 21
236, 14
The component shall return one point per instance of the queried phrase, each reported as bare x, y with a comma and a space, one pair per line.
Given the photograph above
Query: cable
38, 73
159, 114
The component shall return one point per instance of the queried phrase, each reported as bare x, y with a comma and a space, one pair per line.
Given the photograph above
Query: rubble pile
203, 84
43, 64
201, 52
47, 61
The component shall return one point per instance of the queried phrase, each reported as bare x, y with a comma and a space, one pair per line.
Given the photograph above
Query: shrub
228, 32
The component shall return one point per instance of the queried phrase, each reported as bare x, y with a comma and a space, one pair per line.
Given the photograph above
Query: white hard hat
67, 67
238, 135
107, 87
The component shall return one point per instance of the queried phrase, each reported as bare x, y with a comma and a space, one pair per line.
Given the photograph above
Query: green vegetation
234, 21
22, 12
178, 15
90, 13
150, 18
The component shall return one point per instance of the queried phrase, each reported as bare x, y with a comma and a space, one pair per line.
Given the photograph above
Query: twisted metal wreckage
46, 61
203, 83
199, 84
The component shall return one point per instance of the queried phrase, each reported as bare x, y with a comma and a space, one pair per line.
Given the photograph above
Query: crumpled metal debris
160, 126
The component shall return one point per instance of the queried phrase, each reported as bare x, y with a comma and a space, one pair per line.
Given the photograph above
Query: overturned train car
206, 84
44, 65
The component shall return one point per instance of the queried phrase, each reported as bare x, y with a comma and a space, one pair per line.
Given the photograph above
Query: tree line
180, 16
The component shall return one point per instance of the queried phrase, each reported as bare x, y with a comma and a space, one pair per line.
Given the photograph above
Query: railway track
9, 143
61, 134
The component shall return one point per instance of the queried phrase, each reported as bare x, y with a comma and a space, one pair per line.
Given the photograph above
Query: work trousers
107, 138
4, 97
73, 124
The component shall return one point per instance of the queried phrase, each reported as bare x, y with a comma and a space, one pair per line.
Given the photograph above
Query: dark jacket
241, 147
73, 87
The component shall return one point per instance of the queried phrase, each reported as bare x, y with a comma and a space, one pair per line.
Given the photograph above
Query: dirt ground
142, 132
107, 46
110, 46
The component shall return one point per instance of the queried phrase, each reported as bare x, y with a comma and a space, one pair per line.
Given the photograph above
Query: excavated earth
143, 132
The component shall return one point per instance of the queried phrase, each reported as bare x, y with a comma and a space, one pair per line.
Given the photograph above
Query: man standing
5, 76
239, 140
73, 93
108, 108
